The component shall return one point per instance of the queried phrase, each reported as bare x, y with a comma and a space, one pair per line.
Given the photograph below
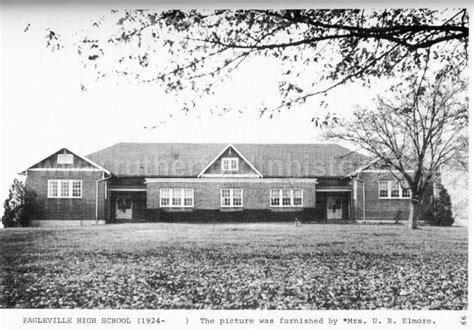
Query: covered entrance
334, 208
127, 206
123, 208
333, 205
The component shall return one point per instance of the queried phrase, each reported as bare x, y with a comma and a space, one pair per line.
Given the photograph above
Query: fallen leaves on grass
207, 277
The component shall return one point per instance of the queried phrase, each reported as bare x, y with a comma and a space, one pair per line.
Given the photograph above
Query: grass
235, 266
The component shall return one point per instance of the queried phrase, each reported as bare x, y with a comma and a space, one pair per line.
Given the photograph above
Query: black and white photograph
248, 158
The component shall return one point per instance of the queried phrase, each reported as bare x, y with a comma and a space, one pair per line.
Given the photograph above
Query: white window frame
401, 192
70, 183
182, 196
229, 163
179, 197
67, 186
71, 187
395, 187
162, 193
279, 197
389, 189
65, 158
231, 197
50, 191
292, 198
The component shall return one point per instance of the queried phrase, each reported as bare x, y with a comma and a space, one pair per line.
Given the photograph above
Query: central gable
230, 162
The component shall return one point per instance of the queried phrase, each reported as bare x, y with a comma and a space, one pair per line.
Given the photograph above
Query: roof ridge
120, 155
223, 143
104, 149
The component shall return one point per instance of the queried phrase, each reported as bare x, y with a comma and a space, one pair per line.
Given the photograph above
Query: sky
44, 108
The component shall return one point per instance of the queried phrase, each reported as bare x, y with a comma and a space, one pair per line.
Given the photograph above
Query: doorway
334, 208
123, 208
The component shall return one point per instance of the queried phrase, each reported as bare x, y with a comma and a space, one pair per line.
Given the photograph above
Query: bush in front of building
20, 207
441, 212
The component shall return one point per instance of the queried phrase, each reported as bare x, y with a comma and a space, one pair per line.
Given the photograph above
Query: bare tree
415, 135
318, 49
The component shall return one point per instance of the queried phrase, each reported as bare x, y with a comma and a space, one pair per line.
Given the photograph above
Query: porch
127, 205
333, 204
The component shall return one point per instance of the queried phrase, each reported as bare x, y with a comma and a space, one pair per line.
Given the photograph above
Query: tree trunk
414, 214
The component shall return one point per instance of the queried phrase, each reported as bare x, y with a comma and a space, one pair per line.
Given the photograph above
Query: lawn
235, 266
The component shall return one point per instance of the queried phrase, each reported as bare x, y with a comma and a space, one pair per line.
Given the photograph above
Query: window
286, 198
393, 190
225, 198
298, 197
274, 197
237, 198
65, 159
52, 189
230, 163
64, 188
76, 188
164, 197
383, 189
188, 197
231, 198
177, 197
406, 192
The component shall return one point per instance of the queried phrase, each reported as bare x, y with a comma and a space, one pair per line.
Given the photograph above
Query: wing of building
162, 182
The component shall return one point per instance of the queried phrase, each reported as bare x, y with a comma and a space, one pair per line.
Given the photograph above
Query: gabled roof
189, 160
44, 162
238, 153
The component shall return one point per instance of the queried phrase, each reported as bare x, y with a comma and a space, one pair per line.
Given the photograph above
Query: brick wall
103, 199
68, 209
376, 208
358, 201
256, 195
138, 182
242, 216
333, 181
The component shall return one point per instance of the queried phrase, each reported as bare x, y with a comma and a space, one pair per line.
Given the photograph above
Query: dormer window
65, 159
230, 163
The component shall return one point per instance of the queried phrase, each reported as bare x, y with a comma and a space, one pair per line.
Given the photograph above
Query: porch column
353, 214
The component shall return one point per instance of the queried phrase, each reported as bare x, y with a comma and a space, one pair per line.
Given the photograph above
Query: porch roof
345, 188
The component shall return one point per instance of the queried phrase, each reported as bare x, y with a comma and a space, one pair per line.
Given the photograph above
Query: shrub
398, 216
20, 207
441, 213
